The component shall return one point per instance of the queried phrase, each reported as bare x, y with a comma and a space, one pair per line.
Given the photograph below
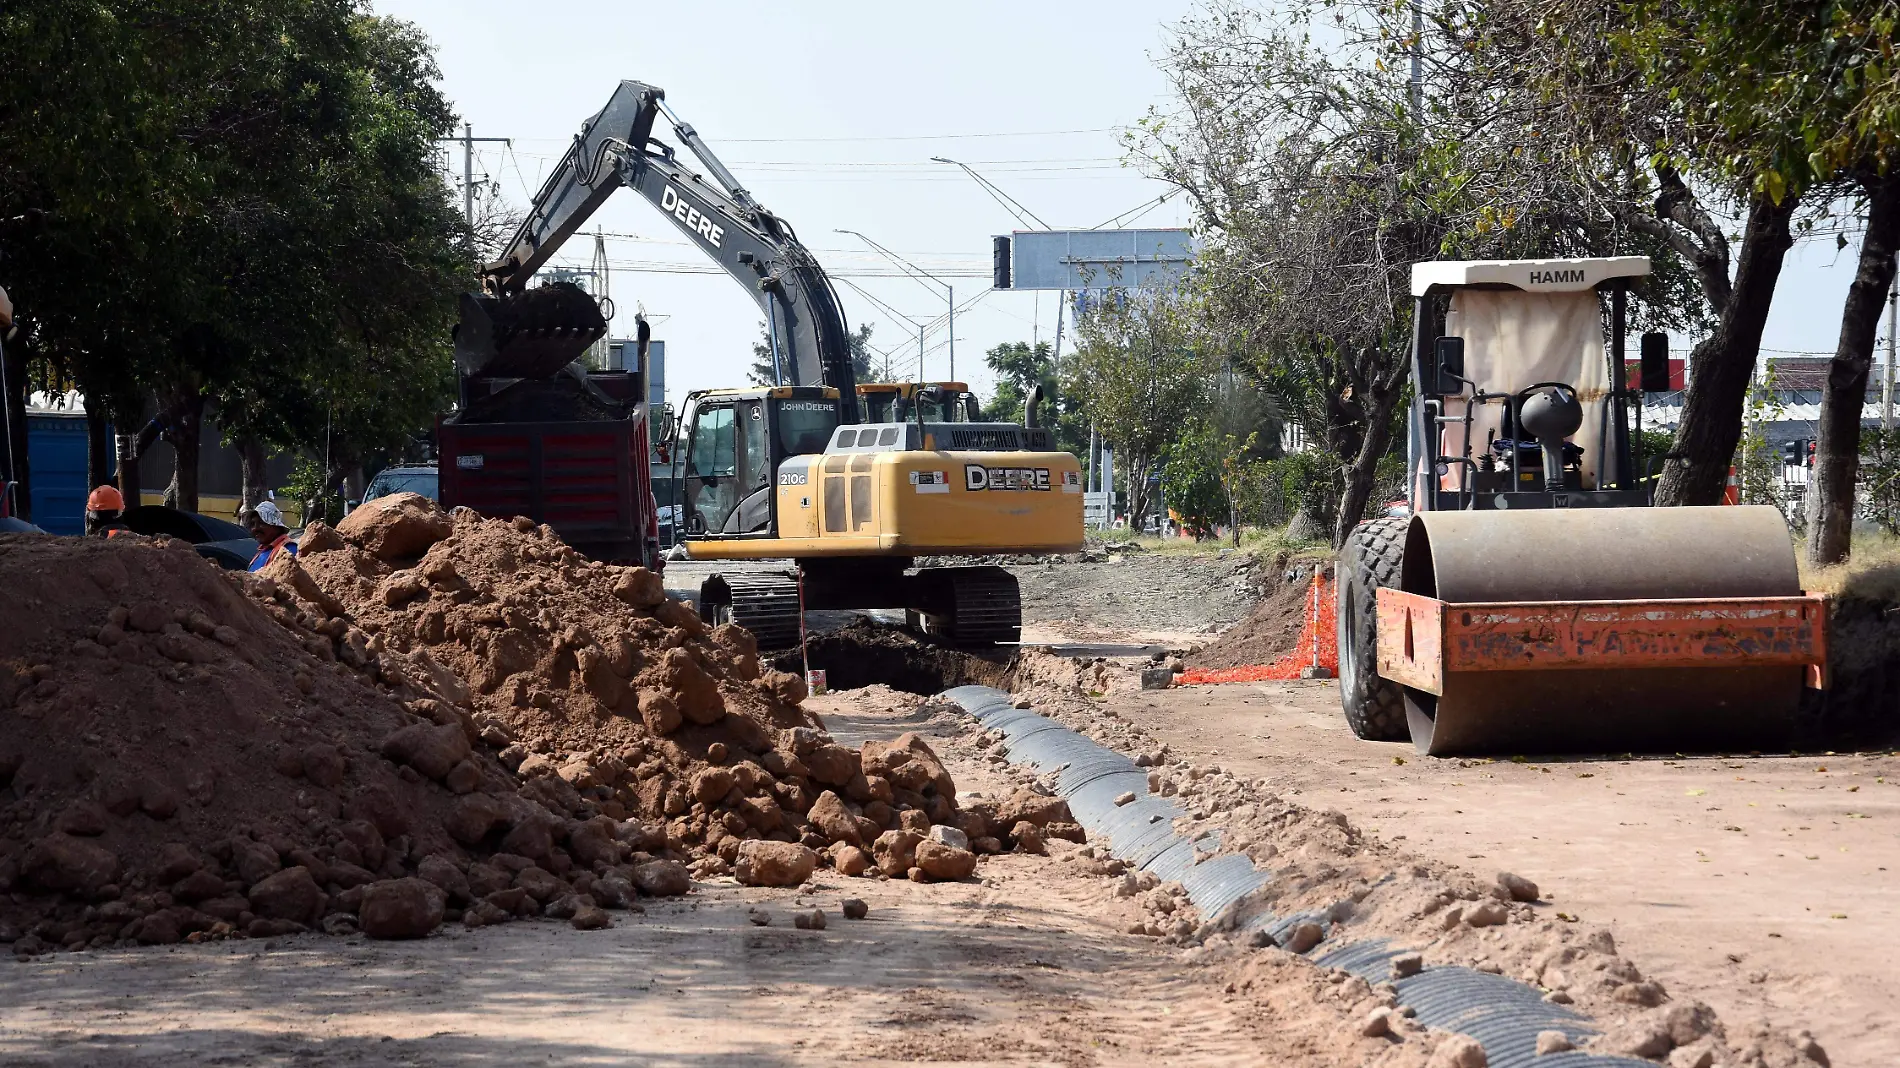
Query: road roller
1534, 601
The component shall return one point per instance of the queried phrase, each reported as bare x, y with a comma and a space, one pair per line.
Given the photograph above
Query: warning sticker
931, 481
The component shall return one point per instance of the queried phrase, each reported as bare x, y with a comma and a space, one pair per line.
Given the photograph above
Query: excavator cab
732, 443
898, 402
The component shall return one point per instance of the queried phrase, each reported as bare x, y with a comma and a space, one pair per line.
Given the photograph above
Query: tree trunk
1724, 364
1837, 448
13, 460
100, 459
252, 479
187, 426
131, 487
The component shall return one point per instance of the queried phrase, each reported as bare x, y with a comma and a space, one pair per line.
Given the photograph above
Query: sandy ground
1028, 965
1767, 886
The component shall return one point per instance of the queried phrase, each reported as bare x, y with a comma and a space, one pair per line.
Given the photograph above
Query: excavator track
763, 602
985, 606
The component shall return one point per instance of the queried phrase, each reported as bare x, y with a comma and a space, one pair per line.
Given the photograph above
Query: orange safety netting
1318, 646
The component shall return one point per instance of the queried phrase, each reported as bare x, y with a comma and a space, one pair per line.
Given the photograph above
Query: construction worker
266, 524
104, 506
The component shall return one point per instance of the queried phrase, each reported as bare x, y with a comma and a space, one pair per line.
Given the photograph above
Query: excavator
793, 471
1534, 600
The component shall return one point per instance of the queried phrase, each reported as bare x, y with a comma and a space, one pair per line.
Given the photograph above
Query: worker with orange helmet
266, 524
104, 506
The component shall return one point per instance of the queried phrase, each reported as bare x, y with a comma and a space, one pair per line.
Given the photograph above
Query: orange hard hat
105, 499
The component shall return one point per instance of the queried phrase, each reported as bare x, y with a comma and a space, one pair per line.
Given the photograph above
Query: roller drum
1625, 554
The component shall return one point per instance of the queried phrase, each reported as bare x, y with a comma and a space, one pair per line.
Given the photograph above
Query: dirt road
1768, 887
1029, 965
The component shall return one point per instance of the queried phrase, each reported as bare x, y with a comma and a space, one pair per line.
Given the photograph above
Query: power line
887, 137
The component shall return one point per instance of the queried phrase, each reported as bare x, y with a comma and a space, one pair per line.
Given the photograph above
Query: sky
829, 112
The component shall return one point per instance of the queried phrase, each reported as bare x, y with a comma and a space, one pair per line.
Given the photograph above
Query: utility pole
951, 325
1893, 319
467, 141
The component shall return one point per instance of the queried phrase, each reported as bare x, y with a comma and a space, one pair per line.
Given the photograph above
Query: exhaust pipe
1030, 404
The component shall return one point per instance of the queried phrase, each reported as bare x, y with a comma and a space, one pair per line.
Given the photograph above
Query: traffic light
1791, 452
1811, 453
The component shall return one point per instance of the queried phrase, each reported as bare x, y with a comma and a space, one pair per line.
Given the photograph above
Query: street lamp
1009, 203
919, 274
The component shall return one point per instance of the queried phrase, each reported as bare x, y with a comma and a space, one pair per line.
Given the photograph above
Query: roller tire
1374, 706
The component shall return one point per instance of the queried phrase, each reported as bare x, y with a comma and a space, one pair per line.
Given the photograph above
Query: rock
340, 924
593, 842
614, 891
400, 908
1553, 1042
1486, 914
1647, 994
463, 778
1028, 838
896, 852
62, 862
1407, 964
833, 820
711, 785
447, 878
1316, 671
253, 860
1695, 1057
432, 750
323, 765
695, 691
1304, 937
909, 763
950, 836
1644, 1036
590, 917
1516, 887
1260, 938
852, 861
758, 917
402, 587
484, 914
833, 765
1156, 678
1688, 1021
854, 909
85, 819
1126, 797
198, 886
1458, 1051
400, 526
809, 921
768, 863
264, 927
639, 587
1377, 1024
945, 862
541, 885
291, 894
318, 537
1559, 997
1027, 806
668, 878
175, 861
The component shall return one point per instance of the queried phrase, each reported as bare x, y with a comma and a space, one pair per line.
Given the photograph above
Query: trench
865, 652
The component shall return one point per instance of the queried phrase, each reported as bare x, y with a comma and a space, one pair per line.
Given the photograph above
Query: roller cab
1535, 601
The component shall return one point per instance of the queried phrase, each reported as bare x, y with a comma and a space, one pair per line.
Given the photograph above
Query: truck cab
896, 402
732, 442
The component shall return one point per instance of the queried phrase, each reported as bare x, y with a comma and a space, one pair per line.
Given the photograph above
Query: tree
1319, 178
1019, 366
268, 219
760, 373
1140, 378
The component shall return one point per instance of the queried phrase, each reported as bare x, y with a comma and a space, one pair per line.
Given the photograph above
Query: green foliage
309, 486
233, 200
760, 373
1880, 473
1141, 377
1018, 366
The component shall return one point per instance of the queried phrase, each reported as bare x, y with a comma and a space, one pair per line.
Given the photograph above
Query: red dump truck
536, 436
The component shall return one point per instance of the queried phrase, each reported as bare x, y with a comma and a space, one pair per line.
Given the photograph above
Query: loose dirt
1761, 885
1141, 597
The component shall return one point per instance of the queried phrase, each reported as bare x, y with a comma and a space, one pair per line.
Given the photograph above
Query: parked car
224, 543
405, 478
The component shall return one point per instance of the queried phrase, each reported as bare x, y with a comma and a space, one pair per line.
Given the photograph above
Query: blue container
56, 453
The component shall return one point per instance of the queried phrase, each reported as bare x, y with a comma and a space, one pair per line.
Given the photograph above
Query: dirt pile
1271, 630
190, 753
605, 695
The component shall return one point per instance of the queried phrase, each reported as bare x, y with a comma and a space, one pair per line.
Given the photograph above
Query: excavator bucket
1603, 630
526, 335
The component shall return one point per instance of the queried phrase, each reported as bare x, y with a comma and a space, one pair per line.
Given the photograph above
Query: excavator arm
759, 250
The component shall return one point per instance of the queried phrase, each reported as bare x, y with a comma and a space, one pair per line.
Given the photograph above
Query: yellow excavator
793, 471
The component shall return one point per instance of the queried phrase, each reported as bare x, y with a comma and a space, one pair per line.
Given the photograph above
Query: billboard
1092, 259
